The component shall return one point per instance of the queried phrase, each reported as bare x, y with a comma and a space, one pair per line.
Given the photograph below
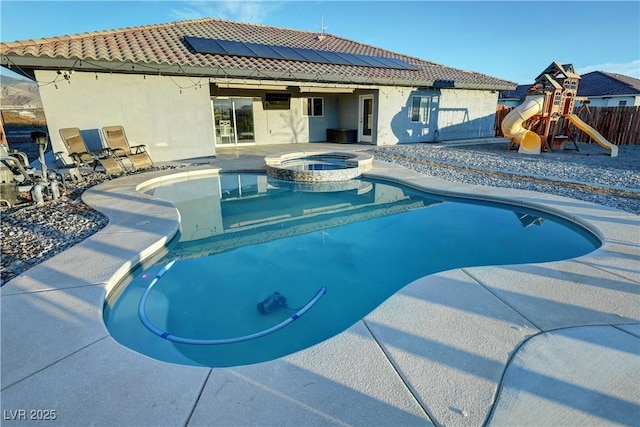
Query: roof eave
611, 95
28, 64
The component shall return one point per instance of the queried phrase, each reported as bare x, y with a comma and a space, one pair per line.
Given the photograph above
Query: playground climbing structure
551, 97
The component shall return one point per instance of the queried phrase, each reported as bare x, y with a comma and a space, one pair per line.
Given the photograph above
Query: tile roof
518, 93
600, 83
595, 83
162, 49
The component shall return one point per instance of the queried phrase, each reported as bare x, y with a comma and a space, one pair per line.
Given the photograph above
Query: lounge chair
81, 156
18, 163
116, 140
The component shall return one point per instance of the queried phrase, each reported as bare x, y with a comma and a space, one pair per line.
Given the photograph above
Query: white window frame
424, 106
310, 101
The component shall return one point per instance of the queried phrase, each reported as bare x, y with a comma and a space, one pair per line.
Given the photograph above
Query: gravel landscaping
32, 233
589, 174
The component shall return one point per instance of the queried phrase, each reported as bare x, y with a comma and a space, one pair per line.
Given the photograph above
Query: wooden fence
620, 125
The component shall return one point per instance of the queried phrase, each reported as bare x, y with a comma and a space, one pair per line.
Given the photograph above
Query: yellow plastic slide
512, 125
594, 134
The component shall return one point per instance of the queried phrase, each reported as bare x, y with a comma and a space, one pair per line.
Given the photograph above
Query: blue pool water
245, 236
316, 162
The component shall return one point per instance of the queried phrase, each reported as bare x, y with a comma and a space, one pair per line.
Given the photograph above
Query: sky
511, 40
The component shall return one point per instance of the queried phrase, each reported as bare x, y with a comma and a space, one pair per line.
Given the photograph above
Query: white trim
304, 89
250, 86
310, 99
361, 136
236, 141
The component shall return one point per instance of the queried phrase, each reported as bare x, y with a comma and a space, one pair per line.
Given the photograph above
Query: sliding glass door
233, 118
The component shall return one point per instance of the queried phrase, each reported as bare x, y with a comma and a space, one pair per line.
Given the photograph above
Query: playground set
552, 96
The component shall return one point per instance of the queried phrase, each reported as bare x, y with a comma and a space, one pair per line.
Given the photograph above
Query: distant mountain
19, 92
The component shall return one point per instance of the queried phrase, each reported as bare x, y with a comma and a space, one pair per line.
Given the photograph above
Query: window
313, 107
277, 101
420, 109
622, 103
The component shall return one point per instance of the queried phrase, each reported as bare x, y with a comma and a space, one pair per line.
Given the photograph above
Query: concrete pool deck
553, 343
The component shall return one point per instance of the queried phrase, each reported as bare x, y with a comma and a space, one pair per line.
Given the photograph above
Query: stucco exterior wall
291, 126
348, 111
329, 120
153, 111
466, 114
178, 123
284, 126
394, 121
453, 114
612, 101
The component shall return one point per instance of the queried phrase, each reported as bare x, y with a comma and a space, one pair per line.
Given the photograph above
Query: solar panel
388, 62
371, 60
288, 53
352, 59
264, 51
235, 48
259, 50
401, 63
332, 58
201, 45
309, 54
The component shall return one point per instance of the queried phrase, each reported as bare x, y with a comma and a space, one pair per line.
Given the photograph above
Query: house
513, 98
602, 89
186, 87
609, 89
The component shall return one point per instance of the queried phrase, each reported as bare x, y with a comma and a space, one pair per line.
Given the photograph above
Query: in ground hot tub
317, 166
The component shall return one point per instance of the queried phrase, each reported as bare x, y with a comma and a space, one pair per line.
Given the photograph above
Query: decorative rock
32, 234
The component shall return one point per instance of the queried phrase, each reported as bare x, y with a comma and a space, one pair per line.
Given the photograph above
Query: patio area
554, 343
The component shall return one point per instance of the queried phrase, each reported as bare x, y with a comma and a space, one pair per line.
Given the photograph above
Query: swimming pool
246, 236
317, 166
317, 162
